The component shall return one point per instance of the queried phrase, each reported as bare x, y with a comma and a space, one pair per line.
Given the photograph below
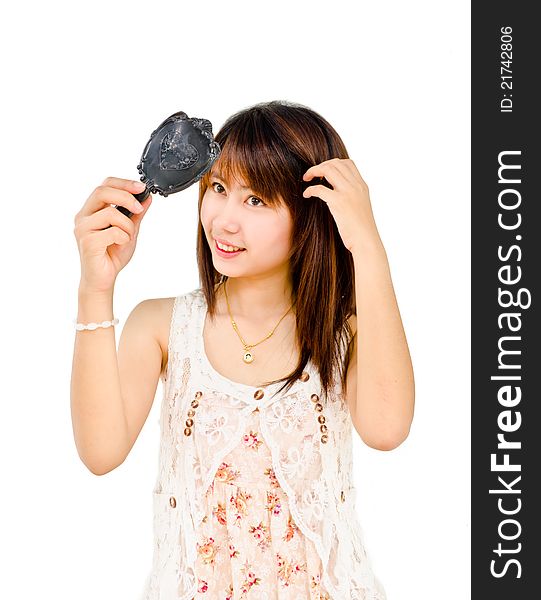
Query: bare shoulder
156, 313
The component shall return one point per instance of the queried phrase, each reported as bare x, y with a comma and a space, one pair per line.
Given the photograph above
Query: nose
228, 215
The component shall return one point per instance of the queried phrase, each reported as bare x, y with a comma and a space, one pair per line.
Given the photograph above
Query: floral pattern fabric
248, 545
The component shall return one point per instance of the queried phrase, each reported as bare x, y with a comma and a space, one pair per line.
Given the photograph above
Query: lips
225, 253
227, 243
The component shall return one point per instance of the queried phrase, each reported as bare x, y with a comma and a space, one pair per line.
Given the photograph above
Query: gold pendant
248, 357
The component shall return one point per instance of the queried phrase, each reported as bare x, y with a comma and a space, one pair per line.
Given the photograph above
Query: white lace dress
253, 490
248, 545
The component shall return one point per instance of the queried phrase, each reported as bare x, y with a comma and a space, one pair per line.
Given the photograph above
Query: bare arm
97, 411
381, 388
380, 385
112, 395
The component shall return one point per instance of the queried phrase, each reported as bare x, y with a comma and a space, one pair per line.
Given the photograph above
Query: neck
257, 300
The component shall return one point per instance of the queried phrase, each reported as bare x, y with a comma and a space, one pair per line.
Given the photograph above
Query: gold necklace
248, 356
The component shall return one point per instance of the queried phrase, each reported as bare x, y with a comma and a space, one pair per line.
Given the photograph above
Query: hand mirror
179, 152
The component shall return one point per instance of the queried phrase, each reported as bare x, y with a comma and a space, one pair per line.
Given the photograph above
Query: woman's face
234, 214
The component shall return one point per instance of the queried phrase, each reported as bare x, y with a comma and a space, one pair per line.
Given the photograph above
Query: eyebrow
216, 176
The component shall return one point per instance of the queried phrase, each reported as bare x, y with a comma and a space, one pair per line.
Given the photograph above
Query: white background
84, 86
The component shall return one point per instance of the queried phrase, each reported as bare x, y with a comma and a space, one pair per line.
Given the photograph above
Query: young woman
293, 337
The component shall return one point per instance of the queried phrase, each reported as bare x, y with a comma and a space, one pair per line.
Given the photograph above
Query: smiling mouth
227, 247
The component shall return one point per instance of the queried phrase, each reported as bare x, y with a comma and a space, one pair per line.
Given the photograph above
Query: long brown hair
270, 145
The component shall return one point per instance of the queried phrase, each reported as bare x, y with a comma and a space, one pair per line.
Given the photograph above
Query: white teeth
227, 248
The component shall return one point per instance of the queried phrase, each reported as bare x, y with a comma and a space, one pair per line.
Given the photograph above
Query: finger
104, 195
98, 240
323, 164
105, 218
109, 236
319, 191
346, 171
330, 170
315, 171
320, 168
136, 219
123, 184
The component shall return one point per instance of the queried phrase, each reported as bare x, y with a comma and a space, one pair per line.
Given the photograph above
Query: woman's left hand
348, 201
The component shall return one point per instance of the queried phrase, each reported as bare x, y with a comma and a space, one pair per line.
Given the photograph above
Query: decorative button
318, 407
305, 376
259, 394
172, 502
342, 496
191, 413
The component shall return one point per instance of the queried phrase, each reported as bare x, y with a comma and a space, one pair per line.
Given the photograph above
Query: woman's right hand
106, 238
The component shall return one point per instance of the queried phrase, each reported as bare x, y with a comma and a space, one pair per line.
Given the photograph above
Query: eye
258, 199
221, 189
216, 183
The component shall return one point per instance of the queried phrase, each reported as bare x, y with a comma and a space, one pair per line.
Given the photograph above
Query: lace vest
310, 443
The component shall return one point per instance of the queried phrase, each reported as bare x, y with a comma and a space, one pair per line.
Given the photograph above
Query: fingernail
139, 185
138, 208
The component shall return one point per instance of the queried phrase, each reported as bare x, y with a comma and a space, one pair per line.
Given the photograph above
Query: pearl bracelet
92, 326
